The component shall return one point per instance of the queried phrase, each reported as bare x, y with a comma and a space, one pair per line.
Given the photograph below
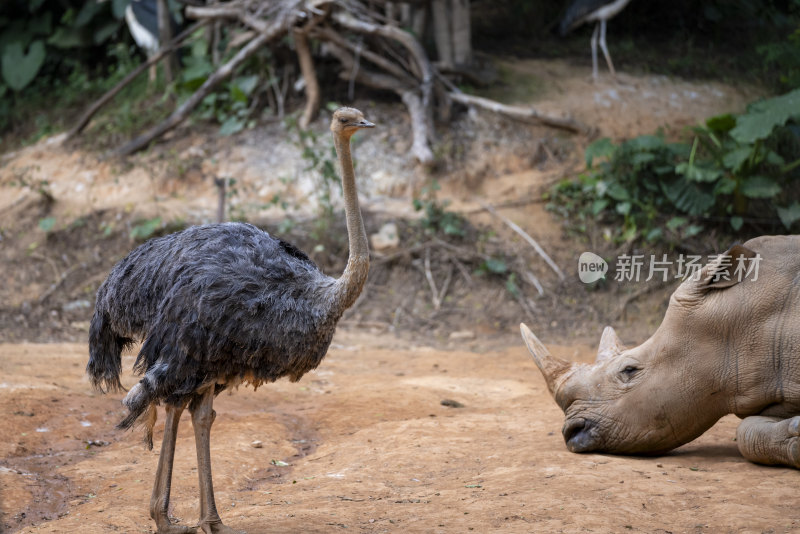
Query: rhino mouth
580, 435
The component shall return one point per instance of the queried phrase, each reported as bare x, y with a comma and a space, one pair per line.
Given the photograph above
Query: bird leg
203, 416
593, 43
604, 48
159, 501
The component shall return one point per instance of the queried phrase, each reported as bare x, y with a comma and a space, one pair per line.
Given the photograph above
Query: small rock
387, 238
76, 305
462, 334
256, 444
450, 403
193, 152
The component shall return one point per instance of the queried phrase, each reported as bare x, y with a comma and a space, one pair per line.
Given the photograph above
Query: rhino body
727, 344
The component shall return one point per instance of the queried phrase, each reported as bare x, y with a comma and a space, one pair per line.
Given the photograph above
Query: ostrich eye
343, 120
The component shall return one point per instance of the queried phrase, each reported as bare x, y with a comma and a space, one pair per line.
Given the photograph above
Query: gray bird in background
598, 11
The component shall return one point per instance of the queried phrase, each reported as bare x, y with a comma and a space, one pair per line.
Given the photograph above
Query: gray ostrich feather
223, 302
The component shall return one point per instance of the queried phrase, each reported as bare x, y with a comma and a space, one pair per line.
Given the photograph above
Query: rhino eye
628, 372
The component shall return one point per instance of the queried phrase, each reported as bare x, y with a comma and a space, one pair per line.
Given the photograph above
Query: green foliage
436, 218
233, 104
783, 57
736, 168
494, 266
20, 68
51, 31
497, 266
55, 55
763, 117
47, 224
145, 229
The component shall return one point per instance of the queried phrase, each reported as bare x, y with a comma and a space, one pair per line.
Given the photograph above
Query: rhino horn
552, 368
610, 345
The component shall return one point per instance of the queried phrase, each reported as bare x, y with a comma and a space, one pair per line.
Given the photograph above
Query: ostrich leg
604, 48
159, 501
203, 416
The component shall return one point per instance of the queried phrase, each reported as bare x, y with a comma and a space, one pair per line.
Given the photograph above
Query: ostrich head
346, 121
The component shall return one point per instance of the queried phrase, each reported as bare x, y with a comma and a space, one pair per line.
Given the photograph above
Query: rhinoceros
727, 344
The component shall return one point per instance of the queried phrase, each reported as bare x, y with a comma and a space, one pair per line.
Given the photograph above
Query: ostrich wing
242, 305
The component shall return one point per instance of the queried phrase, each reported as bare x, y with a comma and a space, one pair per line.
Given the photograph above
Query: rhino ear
610, 345
729, 268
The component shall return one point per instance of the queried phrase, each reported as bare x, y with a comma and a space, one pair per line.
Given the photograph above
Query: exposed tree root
366, 40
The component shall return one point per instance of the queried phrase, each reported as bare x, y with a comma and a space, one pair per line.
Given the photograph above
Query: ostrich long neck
349, 286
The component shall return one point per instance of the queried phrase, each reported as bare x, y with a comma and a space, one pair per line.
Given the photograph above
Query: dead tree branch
520, 113
313, 97
273, 31
106, 98
409, 42
350, 31
416, 109
531, 241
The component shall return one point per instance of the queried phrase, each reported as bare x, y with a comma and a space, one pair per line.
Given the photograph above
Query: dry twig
520, 113
531, 241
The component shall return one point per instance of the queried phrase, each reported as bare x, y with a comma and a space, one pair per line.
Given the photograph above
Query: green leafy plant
234, 104
47, 224
735, 168
145, 229
436, 218
783, 57
33, 32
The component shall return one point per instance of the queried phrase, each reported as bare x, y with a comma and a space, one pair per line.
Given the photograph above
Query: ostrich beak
365, 124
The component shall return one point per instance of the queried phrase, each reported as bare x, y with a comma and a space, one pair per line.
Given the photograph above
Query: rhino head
674, 386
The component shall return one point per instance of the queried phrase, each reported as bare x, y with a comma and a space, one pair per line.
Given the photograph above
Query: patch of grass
513, 85
733, 171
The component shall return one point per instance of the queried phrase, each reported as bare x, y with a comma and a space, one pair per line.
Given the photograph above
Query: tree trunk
165, 36
462, 34
418, 20
442, 33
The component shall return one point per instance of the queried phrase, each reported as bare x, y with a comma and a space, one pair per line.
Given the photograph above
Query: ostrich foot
770, 440
217, 528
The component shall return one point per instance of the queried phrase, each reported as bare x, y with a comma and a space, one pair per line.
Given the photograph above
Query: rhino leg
770, 440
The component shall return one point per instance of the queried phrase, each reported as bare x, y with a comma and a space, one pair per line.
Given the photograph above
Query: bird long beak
366, 124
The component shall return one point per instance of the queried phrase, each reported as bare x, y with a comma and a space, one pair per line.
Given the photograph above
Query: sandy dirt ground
370, 447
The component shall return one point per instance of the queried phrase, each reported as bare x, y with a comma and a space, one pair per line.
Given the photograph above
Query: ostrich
219, 305
599, 11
